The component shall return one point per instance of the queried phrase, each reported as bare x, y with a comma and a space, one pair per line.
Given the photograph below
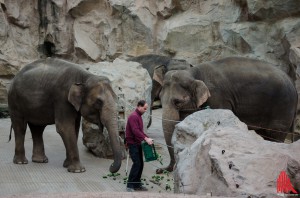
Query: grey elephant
53, 91
151, 62
257, 92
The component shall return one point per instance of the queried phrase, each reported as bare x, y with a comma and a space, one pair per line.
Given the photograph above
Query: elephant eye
178, 103
98, 103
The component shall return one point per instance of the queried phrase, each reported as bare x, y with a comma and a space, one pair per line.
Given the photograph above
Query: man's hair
141, 103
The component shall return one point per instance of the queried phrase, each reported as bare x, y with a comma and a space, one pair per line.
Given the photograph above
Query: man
134, 136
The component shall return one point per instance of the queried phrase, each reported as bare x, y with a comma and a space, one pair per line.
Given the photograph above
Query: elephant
54, 91
258, 93
151, 62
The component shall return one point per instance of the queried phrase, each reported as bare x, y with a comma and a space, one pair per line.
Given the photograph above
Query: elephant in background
53, 91
258, 93
153, 62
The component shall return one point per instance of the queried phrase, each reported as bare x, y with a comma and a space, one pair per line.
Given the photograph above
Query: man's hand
149, 140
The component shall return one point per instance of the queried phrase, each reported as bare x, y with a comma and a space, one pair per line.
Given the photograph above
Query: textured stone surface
216, 153
100, 30
3, 92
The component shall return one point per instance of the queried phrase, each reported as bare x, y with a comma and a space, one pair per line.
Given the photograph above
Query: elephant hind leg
19, 126
38, 151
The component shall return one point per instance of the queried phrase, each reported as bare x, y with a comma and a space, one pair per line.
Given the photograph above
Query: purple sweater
134, 128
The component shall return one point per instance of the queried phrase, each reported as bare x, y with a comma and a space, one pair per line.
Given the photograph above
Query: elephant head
180, 91
160, 71
96, 101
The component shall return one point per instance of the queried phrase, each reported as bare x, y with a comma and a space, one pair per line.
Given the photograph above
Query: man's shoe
141, 188
130, 189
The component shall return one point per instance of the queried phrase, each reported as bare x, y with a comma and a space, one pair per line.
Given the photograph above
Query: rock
95, 141
272, 10
131, 82
7, 70
85, 31
295, 56
216, 153
4, 113
3, 93
293, 171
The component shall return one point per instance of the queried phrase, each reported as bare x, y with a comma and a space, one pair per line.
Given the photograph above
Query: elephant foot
74, 167
20, 160
40, 159
163, 170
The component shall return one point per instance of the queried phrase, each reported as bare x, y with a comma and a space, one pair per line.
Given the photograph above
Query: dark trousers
136, 154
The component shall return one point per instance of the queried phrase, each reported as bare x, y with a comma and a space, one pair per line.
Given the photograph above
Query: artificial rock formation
101, 30
216, 154
131, 83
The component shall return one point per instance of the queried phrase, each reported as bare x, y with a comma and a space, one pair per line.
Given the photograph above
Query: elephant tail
10, 133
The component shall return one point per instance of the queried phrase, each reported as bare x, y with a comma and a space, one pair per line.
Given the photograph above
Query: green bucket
149, 152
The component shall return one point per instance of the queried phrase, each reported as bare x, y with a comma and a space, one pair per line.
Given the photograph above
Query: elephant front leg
69, 136
170, 117
19, 127
38, 151
72, 163
171, 165
168, 137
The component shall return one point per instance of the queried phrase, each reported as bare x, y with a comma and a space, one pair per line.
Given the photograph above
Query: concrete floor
51, 179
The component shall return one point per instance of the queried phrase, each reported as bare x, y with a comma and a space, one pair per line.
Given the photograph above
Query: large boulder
217, 154
131, 83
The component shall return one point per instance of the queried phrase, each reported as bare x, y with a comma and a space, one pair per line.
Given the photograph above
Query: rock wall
101, 30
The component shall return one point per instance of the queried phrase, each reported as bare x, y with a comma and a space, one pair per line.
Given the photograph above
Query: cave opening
48, 48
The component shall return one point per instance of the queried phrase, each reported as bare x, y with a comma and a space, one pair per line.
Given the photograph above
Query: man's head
142, 106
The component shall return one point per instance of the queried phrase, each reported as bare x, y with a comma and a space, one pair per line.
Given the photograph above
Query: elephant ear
159, 73
201, 92
75, 95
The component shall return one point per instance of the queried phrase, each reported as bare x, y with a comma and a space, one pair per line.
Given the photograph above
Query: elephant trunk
111, 124
170, 118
